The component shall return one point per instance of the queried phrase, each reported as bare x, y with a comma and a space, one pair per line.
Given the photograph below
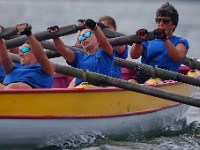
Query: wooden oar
193, 64
45, 35
110, 34
96, 78
6, 33
16, 40
161, 73
130, 39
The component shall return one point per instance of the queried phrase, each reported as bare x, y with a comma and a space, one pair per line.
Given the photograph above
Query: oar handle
130, 39
111, 34
6, 33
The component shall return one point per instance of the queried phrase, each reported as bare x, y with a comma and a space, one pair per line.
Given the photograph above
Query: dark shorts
141, 77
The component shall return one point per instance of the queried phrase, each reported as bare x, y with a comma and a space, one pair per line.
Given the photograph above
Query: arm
80, 22
136, 50
6, 61
67, 53
100, 36
14, 50
176, 53
103, 41
41, 57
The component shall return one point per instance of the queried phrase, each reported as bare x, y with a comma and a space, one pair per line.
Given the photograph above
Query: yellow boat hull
83, 102
39, 116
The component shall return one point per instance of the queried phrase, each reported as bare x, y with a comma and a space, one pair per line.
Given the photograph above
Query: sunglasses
164, 20
25, 50
86, 35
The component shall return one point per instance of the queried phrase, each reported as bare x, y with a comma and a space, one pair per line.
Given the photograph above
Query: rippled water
130, 15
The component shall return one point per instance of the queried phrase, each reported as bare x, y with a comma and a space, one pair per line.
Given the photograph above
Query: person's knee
132, 81
18, 86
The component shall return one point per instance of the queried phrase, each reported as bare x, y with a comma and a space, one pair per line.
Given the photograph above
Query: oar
45, 35
6, 33
161, 73
50, 45
110, 34
130, 39
193, 64
96, 78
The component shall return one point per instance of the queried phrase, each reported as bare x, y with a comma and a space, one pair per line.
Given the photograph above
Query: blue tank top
155, 53
30, 74
100, 62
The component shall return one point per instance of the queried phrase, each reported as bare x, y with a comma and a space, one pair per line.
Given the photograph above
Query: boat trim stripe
85, 116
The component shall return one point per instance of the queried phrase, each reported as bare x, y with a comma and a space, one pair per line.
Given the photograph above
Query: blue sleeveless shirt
155, 53
30, 74
99, 62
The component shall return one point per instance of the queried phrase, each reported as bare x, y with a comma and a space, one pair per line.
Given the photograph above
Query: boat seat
61, 81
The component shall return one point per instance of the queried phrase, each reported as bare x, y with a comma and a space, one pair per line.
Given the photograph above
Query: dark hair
167, 10
110, 19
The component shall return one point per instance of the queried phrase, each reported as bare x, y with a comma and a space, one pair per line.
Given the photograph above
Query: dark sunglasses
86, 35
25, 50
164, 20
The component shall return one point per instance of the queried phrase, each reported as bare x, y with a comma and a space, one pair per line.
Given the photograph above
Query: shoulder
178, 40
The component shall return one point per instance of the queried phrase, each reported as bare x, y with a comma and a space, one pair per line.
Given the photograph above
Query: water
130, 15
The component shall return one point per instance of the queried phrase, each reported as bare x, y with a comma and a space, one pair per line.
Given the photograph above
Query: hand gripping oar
45, 35
130, 39
6, 33
96, 78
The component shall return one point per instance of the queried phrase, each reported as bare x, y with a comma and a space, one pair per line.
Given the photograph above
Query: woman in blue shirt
99, 53
34, 71
166, 51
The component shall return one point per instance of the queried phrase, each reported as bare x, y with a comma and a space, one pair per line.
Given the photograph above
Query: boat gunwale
76, 90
